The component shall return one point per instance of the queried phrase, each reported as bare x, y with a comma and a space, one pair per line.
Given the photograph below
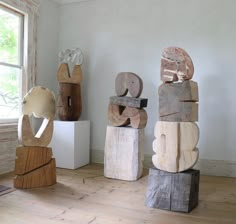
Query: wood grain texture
40, 177
26, 136
85, 195
69, 102
123, 157
123, 116
129, 101
177, 101
176, 65
30, 158
63, 74
128, 82
174, 192
175, 146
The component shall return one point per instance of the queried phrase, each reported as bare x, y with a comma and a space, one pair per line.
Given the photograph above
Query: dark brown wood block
41, 177
177, 101
128, 82
173, 191
30, 158
129, 101
69, 102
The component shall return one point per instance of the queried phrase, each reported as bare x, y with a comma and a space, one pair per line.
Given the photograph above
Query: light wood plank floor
85, 196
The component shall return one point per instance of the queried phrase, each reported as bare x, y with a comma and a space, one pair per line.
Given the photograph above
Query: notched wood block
173, 191
129, 101
40, 177
30, 158
178, 101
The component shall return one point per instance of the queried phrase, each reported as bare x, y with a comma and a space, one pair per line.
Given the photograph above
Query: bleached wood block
176, 65
30, 158
173, 191
124, 153
41, 177
175, 146
71, 143
26, 136
128, 82
177, 101
120, 116
129, 101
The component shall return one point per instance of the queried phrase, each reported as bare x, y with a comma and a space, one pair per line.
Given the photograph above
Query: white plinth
71, 143
123, 158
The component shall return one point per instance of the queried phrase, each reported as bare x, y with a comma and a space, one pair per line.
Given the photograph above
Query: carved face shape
40, 102
176, 65
71, 56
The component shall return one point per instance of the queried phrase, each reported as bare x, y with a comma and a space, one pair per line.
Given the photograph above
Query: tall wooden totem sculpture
172, 184
124, 144
69, 98
34, 165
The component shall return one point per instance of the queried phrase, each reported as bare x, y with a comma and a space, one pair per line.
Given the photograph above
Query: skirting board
207, 167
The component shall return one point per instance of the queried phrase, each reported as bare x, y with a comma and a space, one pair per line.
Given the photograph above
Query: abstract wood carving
121, 116
129, 101
176, 65
124, 153
69, 102
128, 82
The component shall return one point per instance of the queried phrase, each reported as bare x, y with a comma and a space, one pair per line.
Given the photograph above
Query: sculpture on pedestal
176, 136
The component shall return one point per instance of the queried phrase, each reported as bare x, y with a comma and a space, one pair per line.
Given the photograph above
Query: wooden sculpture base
34, 167
173, 191
124, 153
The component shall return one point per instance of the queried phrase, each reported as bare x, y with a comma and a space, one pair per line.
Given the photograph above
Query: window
11, 62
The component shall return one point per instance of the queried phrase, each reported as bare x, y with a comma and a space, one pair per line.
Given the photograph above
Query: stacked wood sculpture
173, 185
34, 165
124, 145
69, 99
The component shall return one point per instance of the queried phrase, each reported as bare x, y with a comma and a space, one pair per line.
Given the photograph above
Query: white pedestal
71, 143
124, 153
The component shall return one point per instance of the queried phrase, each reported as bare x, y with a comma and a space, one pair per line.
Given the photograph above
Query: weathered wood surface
30, 158
128, 82
177, 101
69, 102
175, 146
85, 195
174, 192
41, 177
124, 153
129, 101
63, 74
176, 65
26, 136
123, 116
40, 102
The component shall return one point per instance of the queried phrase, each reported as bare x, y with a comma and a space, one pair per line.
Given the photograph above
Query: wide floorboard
85, 196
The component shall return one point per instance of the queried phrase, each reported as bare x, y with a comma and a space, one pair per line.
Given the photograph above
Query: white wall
129, 35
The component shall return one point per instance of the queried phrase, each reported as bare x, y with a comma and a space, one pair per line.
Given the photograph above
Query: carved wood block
69, 102
128, 82
175, 146
41, 177
26, 136
176, 65
63, 74
124, 153
177, 101
122, 116
173, 191
129, 101
30, 158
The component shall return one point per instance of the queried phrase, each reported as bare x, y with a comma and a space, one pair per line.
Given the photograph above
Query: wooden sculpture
69, 99
176, 136
34, 165
125, 137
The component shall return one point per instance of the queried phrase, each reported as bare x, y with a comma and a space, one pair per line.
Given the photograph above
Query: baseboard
207, 167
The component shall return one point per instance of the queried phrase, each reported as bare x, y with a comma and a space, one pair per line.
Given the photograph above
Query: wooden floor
84, 196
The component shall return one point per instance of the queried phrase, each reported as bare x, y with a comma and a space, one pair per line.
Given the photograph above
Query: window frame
29, 10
